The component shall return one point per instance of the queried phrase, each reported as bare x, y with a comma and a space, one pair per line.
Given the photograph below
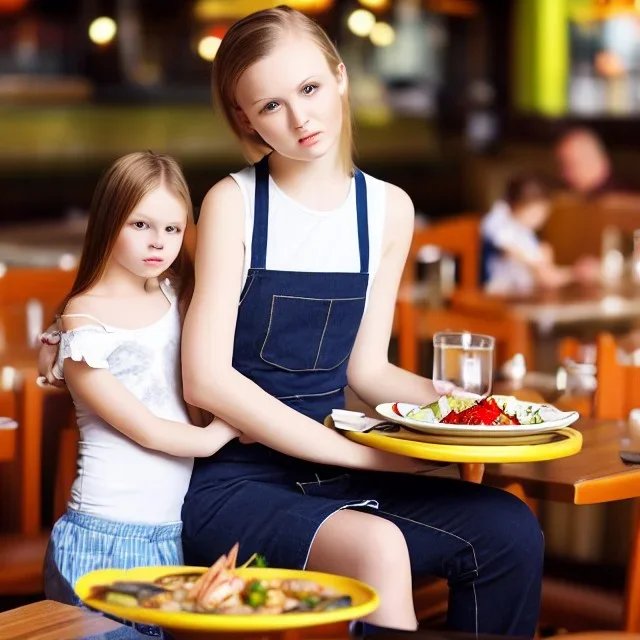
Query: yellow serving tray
364, 601
535, 448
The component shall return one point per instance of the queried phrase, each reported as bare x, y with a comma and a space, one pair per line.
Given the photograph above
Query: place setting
243, 601
466, 423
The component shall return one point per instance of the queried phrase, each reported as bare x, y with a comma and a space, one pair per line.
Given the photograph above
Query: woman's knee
383, 541
361, 540
516, 531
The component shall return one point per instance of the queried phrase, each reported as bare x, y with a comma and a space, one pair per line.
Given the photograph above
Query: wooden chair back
590, 218
459, 237
618, 390
20, 287
617, 393
22, 540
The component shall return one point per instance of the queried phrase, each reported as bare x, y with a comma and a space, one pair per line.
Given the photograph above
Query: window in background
394, 53
604, 55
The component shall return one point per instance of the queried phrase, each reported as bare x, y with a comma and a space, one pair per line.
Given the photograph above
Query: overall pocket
311, 334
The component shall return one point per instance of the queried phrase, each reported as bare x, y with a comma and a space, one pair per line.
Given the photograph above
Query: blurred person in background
513, 257
586, 168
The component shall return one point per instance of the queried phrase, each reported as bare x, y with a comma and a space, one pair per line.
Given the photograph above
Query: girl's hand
217, 434
225, 427
50, 340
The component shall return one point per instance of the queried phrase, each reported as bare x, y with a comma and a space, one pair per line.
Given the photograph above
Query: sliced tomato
394, 408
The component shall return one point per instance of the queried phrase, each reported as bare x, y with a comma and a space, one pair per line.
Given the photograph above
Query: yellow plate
568, 443
364, 600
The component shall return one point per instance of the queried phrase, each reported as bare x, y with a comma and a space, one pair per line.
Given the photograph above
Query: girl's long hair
254, 38
119, 191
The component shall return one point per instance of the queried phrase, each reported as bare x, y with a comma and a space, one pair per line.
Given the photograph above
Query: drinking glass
463, 363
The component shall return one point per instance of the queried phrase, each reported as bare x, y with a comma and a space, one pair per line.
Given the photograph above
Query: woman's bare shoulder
226, 191
400, 209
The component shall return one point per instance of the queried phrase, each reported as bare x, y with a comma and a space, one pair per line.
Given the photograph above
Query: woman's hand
446, 388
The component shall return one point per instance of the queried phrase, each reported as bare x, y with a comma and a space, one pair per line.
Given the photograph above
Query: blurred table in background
601, 306
43, 244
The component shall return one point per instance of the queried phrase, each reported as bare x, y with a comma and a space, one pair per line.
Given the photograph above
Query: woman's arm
372, 377
209, 379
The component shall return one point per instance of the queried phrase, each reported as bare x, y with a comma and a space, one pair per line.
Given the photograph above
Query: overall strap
260, 216
363, 220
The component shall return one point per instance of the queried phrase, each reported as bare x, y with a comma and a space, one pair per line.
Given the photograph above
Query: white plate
555, 419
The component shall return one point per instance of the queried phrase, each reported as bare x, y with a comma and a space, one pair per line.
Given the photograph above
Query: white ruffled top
117, 478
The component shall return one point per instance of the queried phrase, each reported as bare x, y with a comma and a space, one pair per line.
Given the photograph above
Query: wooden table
48, 620
596, 474
546, 310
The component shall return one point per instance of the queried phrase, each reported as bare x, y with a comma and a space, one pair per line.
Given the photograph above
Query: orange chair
22, 547
23, 540
617, 393
20, 285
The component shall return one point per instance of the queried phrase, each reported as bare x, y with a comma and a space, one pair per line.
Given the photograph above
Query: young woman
298, 263
120, 356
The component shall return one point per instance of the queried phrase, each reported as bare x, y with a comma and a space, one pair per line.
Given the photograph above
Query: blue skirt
82, 543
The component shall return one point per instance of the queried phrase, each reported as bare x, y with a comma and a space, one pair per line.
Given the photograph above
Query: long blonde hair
254, 38
119, 191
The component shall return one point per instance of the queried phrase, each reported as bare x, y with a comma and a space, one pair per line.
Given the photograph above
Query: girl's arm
209, 379
543, 267
106, 396
372, 377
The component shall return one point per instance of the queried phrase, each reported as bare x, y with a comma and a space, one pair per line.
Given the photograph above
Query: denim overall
294, 334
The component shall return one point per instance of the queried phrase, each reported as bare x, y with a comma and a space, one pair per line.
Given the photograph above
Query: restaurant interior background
450, 97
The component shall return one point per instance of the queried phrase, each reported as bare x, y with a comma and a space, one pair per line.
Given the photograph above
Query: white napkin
353, 420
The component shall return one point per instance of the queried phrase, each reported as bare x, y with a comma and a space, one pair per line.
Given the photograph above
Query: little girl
119, 352
514, 258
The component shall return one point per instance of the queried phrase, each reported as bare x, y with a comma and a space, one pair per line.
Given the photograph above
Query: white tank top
117, 478
303, 239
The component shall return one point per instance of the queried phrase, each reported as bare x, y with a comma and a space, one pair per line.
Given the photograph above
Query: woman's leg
371, 549
486, 542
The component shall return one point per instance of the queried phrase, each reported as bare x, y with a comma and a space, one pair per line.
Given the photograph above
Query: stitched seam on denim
475, 601
475, 560
310, 395
251, 281
326, 324
275, 364
318, 299
320, 482
266, 337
